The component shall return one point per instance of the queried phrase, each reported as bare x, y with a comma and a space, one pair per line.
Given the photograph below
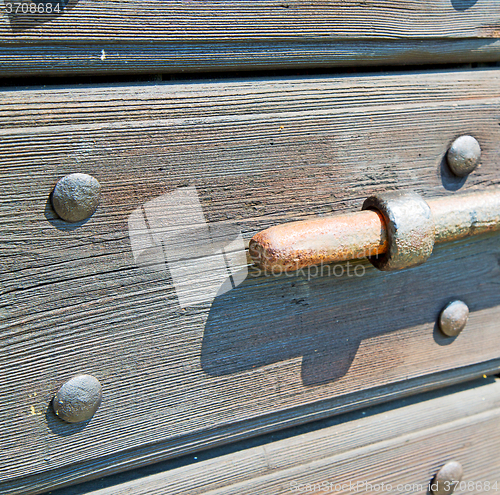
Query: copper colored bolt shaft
343, 237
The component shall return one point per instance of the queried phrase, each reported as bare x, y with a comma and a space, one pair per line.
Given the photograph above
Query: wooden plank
275, 351
404, 445
20, 59
95, 36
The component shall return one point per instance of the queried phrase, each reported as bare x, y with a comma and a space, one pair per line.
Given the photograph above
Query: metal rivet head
463, 156
446, 478
76, 197
78, 399
453, 318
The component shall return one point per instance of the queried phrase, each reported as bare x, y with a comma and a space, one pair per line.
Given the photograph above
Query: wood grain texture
405, 445
274, 352
95, 36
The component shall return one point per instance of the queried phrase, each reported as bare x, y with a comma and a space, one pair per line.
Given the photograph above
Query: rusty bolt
453, 318
78, 399
447, 478
394, 231
463, 155
76, 197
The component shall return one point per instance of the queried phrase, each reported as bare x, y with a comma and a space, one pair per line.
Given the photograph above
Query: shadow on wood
324, 319
461, 5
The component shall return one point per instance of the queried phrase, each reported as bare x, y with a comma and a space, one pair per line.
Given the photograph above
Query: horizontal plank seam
384, 445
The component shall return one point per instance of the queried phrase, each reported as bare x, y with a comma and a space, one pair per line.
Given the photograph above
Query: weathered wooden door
150, 346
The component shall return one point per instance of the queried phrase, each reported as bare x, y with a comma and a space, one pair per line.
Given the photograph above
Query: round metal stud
78, 399
463, 155
76, 197
410, 229
453, 318
447, 478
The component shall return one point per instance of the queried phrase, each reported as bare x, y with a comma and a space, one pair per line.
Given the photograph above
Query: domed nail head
76, 197
446, 479
453, 318
463, 155
78, 399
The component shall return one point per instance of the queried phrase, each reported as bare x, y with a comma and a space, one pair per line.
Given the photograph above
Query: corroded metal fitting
78, 399
76, 197
463, 155
453, 318
410, 229
369, 233
447, 478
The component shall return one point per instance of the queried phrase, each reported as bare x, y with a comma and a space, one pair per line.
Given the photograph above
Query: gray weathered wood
275, 351
97, 36
405, 445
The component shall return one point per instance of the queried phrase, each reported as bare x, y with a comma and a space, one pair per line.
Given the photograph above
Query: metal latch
395, 230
